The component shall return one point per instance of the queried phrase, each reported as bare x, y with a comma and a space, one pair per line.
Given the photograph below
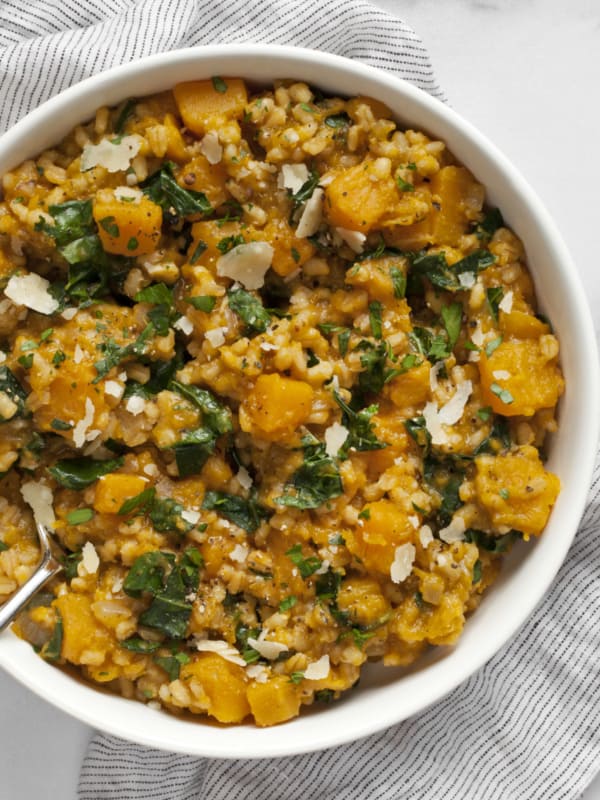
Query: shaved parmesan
185, 325
191, 516
467, 280
433, 375
478, 336
135, 405
454, 408
216, 337
239, 553
247, 263
32, 292
89, 559
311, 215
335, 436
501, 374
506, 303
114, 389
244, 478
455, 532
258, 672
82, 426
425, 536
433, 424
318, 669
268, 650
114, 155
292, 177
39, 498
69, 313
221, 648
404, 557
354, 239
211, 149
77, 355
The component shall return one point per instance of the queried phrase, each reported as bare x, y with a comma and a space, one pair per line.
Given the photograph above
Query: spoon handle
48, 567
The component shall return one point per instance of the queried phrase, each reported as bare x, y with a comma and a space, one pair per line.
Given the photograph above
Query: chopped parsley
250, 309
503, 394
80, 515
247, 514
306, 566
77, 473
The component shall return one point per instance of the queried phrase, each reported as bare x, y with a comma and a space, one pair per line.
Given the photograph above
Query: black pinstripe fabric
527, 725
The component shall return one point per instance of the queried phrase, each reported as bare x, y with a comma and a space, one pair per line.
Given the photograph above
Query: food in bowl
274, 376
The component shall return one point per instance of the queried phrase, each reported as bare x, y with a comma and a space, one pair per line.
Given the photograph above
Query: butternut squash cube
116, 488
520, 325
81, 631
127, 228
519, 378
362, 600
200, 103
516, 490
275, 701
382, 529
290, 252
460, 198
411, 388
357, 198
276, 406
200, 176
224, 684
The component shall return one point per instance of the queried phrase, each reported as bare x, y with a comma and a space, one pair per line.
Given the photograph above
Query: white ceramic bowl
385, 695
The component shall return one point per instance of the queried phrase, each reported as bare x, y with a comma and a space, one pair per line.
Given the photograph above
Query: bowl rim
135, 722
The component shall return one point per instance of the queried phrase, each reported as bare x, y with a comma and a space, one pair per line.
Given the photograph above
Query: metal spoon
49, 566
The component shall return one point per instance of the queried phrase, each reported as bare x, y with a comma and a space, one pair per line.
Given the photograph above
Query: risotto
272, 373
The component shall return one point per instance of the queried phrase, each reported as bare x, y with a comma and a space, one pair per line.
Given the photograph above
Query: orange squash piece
357, 198
116, 488
519, 379
516, 490
201, 103
224, 684
274, 701
128, 229
382, 528
276, 406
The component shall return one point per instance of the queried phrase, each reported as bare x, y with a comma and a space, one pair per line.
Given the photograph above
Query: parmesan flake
433, 375
89, 559
115, 155
69, 313
32, 292
244, 479
185, 325
216, 337
221, 648
39, 498
247, 263
453, 410
211, 148
404, 557
135, 405
454, 532
292, 177
239, 553
506, 303
318, 670
311, 215
467, 280
433, 424
425, 536
191, 516
354, 239
335, 436
82, 426
258, 672
114, 389
77, 354
267, 649
129, 194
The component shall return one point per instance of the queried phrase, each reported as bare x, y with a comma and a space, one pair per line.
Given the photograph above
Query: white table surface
526, 73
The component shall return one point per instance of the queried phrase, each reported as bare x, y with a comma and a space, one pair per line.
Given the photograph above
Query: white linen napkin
526, 726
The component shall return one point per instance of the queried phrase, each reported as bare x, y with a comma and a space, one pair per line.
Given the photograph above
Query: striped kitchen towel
526, 726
